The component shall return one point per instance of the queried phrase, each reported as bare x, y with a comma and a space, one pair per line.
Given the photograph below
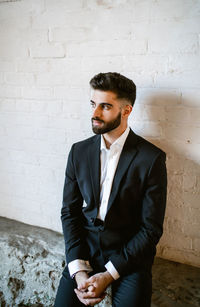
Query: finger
91, 288
90, 302
86, 294
84, 285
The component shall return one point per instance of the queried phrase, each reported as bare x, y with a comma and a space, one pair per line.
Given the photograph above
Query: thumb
91, 288
84, 285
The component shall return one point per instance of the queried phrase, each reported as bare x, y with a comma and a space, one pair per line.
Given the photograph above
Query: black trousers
133, 290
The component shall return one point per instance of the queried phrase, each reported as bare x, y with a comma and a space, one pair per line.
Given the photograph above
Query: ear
127, 110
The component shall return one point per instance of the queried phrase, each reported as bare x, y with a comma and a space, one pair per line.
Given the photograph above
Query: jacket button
92, 219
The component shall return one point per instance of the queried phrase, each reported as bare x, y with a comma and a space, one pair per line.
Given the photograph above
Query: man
113, 204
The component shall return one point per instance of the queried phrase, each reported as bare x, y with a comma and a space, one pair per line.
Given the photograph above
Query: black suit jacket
134, 221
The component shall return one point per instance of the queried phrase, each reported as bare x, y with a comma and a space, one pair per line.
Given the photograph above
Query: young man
113, 204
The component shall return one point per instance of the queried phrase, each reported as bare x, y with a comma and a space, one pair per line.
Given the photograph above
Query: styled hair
123, 87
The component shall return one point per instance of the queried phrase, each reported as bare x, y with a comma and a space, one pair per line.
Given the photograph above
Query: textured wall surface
49, 50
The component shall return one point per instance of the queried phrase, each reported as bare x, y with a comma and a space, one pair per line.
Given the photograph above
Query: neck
111, 136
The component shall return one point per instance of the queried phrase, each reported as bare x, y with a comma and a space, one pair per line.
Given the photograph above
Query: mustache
97, 118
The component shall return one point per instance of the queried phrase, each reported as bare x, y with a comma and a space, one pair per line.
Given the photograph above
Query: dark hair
116, 83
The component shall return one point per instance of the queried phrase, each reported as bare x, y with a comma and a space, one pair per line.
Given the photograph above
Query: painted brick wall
49, 50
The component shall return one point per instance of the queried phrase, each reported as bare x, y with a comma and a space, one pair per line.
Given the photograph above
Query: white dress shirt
109, 160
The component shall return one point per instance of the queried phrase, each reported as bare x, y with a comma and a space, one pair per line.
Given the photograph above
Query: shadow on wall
173, 127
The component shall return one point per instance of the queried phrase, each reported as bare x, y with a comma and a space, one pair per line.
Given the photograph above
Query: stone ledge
32, 259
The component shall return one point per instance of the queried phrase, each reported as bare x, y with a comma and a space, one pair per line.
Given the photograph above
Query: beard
106, 127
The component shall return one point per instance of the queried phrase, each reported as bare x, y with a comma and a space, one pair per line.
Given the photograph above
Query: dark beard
107, 126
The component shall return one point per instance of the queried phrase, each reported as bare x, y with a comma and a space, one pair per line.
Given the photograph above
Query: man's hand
81, 278
92, 290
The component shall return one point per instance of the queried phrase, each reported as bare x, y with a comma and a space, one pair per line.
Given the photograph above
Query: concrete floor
32, 259
175, 284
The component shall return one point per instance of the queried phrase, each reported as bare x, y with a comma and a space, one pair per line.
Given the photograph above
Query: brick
191, 198
195, 116
189, 135
181, 242
176, 40
64, 65
11, 44
20, 131
53, 162
47, 50
189, 148
7, 105
67, 6
101, 48
13, 17
107, 4
2, 131
38, 106
23, 157
189, 183
102, 64
148, 113
190, 97
59, 17
174, 254
23, 105
54, 108
37, 92
175, 163
173, 10
50, 79
2, 80
191, 231
65, 34
150, 129
148, 63
185, 79
140, 13
69, 93
196, 244
32, 65
7, 65
51, 135
190, 167
141, 80
19, 78
178, 114
10, 91
173, 225
191, 63
159, 96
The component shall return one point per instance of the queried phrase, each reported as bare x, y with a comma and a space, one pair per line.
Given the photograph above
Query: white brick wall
49, 50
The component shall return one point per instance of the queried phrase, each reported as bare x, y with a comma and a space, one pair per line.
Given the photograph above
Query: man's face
106, 111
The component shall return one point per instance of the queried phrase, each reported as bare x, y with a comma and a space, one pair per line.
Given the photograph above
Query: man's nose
97, 112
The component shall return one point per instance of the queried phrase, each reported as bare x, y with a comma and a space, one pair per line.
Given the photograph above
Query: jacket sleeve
142, 247
71, 215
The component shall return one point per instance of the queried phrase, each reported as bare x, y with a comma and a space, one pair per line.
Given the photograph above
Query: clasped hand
91, 290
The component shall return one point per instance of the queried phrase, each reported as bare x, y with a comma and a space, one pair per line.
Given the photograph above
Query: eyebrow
107, 103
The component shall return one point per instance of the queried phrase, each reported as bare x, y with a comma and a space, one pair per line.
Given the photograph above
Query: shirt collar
118, 142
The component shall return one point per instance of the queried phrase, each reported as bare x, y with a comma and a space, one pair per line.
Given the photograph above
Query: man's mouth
97, 122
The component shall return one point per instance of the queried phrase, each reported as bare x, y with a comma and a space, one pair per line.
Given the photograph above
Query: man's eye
92, 105
105, 107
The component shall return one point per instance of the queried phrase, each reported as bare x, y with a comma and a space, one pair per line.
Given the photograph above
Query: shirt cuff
79, 265
111, 269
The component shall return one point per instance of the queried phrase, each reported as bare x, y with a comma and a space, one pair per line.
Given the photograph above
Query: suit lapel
94, 167
128, 153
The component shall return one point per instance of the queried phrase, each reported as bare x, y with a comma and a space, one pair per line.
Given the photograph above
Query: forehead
104, 96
